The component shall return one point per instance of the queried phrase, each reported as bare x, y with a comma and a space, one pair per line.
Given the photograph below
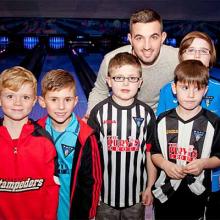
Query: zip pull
15, 150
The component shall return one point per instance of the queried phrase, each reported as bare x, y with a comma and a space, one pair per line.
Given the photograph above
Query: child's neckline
187, 117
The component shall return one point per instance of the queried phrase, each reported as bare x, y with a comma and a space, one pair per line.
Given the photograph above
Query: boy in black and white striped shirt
125, 129
187, 147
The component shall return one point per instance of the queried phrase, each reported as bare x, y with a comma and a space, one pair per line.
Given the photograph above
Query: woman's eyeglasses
193, 51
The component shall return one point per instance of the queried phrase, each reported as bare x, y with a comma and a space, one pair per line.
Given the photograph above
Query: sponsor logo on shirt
172, 131
20, 186
62, 168
182, 153
119, 145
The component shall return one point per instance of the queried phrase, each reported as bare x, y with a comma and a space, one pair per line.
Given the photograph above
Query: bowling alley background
75, 34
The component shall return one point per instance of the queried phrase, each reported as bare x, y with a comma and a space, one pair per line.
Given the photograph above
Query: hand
147, 197
173, 170
195, 167
85, 118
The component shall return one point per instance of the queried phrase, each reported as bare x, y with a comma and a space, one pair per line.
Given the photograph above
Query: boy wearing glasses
125, 128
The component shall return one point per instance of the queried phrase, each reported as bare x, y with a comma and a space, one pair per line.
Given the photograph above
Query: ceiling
206, 10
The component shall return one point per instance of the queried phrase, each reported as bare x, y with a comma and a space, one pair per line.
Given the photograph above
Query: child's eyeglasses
193, 51
132, 79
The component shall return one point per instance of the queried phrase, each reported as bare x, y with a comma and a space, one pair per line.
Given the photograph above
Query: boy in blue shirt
79, 165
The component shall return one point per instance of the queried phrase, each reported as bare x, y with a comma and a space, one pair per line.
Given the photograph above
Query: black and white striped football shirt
182, 141
125, 133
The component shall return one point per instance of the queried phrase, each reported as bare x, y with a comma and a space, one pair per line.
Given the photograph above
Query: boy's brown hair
188, 39
15, 77
56, 80
122, 59
145, 16
192, 72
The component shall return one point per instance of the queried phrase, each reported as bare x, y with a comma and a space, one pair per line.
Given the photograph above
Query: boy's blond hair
15, 77
122, 59
55, 80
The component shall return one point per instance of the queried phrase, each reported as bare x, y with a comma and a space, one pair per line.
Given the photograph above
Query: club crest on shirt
67, 149
138, 121
198, 134
208, 100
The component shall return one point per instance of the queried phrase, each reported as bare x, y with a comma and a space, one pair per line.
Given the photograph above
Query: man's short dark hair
145, 16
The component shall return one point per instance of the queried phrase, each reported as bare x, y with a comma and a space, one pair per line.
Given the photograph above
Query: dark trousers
183, 204
213, 207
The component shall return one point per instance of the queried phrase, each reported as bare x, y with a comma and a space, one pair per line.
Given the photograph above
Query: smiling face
146, 40
60, 105
125, 82
17, 105
198, 45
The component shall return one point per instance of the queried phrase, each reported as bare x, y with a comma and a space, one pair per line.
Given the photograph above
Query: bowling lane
61, 61
55, 60
94, 60
10, 60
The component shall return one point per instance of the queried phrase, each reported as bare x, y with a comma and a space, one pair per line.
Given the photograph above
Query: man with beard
158, 61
